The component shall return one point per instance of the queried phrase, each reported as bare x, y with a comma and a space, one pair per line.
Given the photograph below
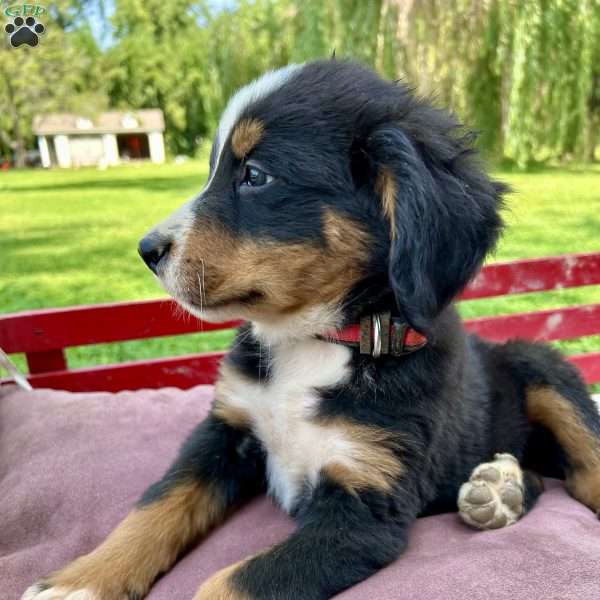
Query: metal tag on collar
375, 334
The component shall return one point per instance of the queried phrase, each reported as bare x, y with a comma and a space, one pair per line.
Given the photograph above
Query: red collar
379, 334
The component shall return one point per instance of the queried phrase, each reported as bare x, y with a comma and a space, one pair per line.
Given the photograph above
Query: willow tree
526, 74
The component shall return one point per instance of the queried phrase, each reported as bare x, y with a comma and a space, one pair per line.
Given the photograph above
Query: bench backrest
43, 335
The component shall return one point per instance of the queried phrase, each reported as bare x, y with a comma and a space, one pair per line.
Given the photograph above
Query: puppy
341, 217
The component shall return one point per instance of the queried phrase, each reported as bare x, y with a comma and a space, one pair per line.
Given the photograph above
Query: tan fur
386, 187
246, 136
220, 587
233, 267
374, 462
548, 408
146, 543
232, 415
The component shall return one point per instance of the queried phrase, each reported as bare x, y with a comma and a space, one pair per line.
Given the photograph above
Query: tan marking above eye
387, 188
246, 135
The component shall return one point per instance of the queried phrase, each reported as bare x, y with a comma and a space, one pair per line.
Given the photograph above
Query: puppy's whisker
202, 285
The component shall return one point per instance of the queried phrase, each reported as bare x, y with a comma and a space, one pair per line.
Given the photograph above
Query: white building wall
111, 149
157, 147
63, 151
44, 151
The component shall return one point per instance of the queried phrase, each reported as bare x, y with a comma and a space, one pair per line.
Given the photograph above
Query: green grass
70, 237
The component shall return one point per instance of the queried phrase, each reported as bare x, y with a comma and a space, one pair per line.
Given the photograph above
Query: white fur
282, 411
177, 223
31, 592
314, 320
54, 593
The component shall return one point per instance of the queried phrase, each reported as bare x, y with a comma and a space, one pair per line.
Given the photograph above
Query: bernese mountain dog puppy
341, 218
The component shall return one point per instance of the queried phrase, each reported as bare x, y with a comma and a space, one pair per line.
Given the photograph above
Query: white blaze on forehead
258, 89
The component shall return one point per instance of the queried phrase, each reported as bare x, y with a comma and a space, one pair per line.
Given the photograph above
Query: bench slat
43, 330
182, 372
543, 325
535, 275
589, 365
187, 371
53, 329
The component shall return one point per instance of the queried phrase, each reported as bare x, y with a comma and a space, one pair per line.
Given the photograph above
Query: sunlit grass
70, 237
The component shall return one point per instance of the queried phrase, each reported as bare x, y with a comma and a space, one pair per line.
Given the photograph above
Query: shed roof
134, 121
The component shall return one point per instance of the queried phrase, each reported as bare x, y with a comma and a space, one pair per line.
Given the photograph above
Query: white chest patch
282, 410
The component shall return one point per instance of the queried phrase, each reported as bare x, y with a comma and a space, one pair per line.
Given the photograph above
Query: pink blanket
71, 465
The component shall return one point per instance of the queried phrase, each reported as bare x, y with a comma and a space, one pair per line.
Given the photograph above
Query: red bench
43, 335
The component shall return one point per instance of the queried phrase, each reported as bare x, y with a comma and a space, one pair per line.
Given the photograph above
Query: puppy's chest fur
282, 410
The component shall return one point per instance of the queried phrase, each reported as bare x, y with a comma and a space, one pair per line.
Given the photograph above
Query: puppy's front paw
43, 591
87, 578
493, 496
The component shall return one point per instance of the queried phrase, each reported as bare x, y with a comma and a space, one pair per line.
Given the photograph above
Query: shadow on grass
508, 166
159, 184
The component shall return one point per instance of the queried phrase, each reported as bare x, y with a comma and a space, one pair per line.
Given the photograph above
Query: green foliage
526, 74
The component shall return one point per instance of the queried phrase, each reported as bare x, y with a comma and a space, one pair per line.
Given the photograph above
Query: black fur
452, 405
215, 453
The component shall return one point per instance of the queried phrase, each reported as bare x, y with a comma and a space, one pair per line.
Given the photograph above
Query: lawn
70, 237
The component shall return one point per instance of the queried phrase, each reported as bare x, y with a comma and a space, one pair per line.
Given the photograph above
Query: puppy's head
331, 192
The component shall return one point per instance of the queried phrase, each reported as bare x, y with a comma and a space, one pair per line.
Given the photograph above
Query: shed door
86, 150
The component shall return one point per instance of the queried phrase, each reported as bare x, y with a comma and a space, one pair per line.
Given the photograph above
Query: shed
69, 140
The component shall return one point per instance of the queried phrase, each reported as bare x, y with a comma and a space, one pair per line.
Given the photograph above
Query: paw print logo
24, 31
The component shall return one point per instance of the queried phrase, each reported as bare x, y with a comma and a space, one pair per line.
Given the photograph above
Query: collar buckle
377, 335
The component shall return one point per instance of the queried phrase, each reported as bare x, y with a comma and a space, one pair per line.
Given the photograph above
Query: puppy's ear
443, 214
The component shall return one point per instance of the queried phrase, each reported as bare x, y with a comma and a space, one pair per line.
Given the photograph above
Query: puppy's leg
343, 538
556, 401
498, 493
217, 466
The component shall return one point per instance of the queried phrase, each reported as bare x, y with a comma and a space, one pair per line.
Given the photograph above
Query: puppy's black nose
153, 249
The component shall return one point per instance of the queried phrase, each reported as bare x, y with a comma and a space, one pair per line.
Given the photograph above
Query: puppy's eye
255, 177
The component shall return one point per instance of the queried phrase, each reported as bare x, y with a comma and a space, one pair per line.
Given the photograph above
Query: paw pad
24, 31
493, 496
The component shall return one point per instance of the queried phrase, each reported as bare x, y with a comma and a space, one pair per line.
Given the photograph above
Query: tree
188, 60
63, 73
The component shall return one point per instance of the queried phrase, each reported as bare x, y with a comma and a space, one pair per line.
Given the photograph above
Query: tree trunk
591, 143
18, 142
19, 153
